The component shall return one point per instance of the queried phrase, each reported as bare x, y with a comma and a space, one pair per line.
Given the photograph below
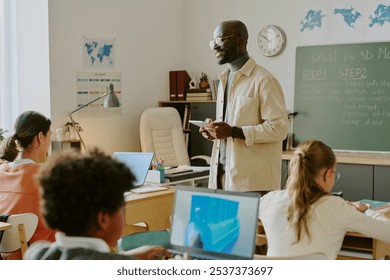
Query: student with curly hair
305, 218
83, 198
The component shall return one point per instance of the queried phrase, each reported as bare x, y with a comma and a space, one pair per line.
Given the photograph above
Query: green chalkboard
342, 96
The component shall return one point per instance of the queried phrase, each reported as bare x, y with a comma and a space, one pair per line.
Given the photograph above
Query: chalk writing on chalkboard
342, 96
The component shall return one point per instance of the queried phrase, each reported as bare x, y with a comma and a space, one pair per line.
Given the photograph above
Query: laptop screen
137, 162
214, 224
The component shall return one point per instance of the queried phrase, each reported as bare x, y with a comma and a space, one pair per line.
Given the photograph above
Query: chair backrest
22, 229
161, 132
314, 256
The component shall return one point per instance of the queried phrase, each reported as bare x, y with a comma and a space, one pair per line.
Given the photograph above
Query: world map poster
98, 53
344, 20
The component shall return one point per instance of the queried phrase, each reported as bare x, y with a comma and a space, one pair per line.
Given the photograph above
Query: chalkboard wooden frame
342, 96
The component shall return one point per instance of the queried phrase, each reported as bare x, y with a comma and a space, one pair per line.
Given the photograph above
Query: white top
69, 242
331, 218
20, 161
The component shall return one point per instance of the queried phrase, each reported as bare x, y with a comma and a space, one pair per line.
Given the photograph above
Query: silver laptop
138, 162
214, 224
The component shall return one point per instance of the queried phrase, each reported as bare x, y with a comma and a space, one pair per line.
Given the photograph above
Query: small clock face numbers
271, 40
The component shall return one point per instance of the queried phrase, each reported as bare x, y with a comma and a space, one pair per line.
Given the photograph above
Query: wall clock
271, 40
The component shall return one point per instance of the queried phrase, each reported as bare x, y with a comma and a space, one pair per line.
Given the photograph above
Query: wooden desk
355, 246
4, 226
154, 209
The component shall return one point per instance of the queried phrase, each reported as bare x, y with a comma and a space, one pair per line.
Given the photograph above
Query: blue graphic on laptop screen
213, 225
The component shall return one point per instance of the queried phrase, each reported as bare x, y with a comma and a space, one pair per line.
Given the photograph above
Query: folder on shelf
172, 85
183, 80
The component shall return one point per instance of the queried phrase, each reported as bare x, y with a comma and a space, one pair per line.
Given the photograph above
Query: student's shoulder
44, 250
274, 196
88, 254
334, 204
36, 250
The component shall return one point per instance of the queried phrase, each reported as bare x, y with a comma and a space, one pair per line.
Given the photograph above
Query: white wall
203, 15
149, 43
155, 36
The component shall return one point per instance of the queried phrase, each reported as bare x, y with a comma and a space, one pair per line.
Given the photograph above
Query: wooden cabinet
196, 110
382, 183
356, 181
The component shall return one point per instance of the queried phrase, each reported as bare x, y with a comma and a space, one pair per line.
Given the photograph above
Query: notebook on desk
139, 164
214, 224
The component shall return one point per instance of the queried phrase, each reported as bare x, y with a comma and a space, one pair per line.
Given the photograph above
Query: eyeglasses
219, 40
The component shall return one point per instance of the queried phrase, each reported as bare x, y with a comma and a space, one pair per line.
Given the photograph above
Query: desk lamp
111, 100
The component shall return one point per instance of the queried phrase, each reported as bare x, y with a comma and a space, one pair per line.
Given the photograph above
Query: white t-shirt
331, 218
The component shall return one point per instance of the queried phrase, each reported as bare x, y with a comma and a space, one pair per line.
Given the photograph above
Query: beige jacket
256, 104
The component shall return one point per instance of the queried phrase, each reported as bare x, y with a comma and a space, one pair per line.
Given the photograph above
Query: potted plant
204, 80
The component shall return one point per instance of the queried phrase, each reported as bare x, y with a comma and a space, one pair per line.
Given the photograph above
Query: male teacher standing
251, 118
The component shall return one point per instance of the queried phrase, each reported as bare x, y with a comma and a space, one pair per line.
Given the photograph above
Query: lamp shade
111, 99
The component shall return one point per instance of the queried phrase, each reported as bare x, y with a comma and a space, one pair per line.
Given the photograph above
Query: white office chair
314, 256
22, 229
161, 132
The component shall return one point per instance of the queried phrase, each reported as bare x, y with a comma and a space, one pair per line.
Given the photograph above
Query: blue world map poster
98, 53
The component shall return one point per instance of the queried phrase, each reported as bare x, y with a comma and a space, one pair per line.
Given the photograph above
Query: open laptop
139, 164
214, 224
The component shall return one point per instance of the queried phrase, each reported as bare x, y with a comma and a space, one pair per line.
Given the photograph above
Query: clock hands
265, 37
274, 37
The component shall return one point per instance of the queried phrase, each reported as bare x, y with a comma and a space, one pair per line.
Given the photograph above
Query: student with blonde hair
305, 218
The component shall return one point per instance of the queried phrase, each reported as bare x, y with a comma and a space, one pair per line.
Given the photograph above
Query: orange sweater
19, 193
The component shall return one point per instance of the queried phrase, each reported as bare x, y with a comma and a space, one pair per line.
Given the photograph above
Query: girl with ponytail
305, 218
20, 156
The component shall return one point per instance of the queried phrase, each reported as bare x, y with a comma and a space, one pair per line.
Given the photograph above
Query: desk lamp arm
79, 108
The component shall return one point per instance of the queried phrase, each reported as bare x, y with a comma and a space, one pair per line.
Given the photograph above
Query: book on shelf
380, 206
199, 98
198, 94
198, 90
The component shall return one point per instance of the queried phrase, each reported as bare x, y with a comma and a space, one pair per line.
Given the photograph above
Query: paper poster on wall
378, 25
98, 53
313, 24
344, 20
91, 85
347, 20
